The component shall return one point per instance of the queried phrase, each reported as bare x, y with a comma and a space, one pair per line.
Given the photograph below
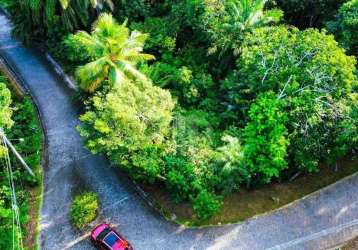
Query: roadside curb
60, 72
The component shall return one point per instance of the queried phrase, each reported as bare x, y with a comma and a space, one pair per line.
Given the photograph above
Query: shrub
265, 147
206, 205
84, 209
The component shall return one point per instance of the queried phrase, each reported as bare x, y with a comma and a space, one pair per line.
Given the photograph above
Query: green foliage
346, 132
265, 140
238, 18
130, 117
181, 178
233, 172
84, 209
6, 225
133, 9
28, 134
310, 72
162, 38
25, 134
275, 57
206, 205
345, 27
50, 20
5, 3
5, 110
113, 50
309, 13
254, 102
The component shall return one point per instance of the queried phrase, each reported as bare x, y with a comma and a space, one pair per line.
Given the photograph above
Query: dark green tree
345, 27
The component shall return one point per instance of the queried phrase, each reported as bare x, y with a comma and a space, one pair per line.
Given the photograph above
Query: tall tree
114, 52
345, 27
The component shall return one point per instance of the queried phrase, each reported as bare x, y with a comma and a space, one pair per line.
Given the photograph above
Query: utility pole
13, 149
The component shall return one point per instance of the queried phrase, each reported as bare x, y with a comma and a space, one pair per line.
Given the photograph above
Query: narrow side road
320, 221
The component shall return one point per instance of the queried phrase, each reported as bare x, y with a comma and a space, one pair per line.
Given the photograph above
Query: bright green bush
206, 205
84, 209
265, 139
5, 110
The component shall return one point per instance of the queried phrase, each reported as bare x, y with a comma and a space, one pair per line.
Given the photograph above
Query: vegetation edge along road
34, 191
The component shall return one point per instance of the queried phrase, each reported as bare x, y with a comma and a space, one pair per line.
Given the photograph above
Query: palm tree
243, 16
41, 18
115, 52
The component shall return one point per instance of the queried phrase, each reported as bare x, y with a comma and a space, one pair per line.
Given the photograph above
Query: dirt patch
351, 245
32, 229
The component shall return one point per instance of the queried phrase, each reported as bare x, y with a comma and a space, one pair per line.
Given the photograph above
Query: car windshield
111, 239
103, 233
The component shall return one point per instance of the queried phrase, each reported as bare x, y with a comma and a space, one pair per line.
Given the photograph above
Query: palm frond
130, 70
116, 76
92, 75
64, 3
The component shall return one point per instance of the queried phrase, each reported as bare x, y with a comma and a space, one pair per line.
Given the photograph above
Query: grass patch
84, 209
245, 204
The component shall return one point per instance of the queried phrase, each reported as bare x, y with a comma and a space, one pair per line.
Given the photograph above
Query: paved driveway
322, 220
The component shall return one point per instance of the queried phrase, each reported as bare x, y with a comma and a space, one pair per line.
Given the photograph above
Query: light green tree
127, 120
114, 52
5, 110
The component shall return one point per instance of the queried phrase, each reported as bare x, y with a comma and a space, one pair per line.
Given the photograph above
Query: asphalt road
320, 221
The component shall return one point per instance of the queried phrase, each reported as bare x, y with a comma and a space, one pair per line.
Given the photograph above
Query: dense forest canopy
207, 96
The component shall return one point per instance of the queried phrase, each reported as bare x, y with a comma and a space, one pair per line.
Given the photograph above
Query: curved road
322, 220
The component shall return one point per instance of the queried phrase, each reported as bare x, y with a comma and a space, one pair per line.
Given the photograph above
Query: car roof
114, 241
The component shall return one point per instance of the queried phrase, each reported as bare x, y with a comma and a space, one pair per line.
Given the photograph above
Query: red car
104, 237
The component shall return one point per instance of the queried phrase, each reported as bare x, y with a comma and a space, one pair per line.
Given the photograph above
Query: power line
13, 149
17, 233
